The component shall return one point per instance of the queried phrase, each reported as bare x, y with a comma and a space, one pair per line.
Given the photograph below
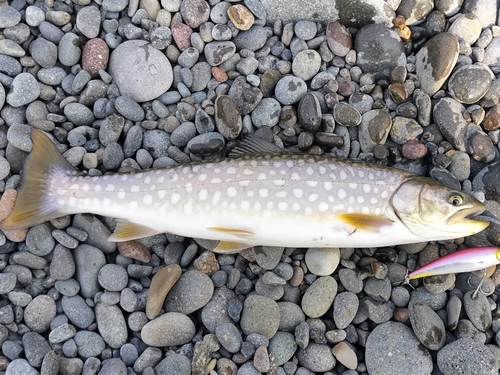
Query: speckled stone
470, 83
170, 329
95, 56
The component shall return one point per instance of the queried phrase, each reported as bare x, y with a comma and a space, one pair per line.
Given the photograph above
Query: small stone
88, 21
374, 129
39, 313
414, 150
427, 325
182, 35
338, 38
170, 329
228, 117
290, 89
322, 261
24, 90
229, 337
470, 83
191, 292
319, 296
345, 355
346, 115
111, 324
195, 12
478, 310
309, 112
466, 356
134, 250
345, 307
260, 315
245, 95
241, 17
316, 357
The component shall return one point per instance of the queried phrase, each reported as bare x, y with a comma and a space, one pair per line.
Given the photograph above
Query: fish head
434, 211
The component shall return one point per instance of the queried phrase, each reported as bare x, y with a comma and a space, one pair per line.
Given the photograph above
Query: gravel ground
122, 84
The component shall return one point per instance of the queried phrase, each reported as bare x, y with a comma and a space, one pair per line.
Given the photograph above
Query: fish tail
36, 201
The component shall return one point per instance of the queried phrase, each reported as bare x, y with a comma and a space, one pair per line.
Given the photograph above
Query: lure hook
479, 286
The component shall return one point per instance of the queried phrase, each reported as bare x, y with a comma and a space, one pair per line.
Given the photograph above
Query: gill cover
431, 209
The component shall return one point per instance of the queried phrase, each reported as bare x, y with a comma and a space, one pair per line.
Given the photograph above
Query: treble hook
478, 288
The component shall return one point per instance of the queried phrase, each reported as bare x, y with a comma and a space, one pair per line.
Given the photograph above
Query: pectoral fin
365, 222
242, 233
126, 231
229, 247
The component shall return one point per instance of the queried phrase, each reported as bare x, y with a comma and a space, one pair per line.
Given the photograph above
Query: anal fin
365, 222
127, 230
229, 247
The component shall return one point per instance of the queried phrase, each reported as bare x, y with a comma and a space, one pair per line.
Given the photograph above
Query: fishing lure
469, 260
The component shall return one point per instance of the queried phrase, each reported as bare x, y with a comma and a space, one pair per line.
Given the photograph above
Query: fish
258, 195
469, 260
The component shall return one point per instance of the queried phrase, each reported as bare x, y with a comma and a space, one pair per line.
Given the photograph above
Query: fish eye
455, 200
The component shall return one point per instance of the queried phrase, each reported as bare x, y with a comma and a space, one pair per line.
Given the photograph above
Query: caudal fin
35, 203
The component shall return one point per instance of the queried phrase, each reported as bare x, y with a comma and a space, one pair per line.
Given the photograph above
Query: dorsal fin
253, 144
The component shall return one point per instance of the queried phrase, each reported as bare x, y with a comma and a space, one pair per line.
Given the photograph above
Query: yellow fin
235, 232
228, 247
364, 221
33, 204
126, 231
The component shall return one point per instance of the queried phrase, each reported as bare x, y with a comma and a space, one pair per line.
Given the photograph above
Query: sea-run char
257, 196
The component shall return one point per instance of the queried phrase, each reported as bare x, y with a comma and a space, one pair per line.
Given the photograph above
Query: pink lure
469, 260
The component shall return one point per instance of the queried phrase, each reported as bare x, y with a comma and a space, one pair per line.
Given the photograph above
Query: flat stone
228, 117
450, 122
95, 56
319, 296
170, 329
191, 292
338, 38
466, 356
241, 17
150, 76
24, 90
260, 315
469, 83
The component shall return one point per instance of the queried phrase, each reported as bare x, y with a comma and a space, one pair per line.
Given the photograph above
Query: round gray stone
190, 293
23, 90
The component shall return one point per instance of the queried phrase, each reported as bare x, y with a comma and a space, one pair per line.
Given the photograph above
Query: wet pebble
470, 83
319, 296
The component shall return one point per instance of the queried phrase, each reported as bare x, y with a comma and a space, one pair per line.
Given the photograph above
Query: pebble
470, 83
88, 261
146, 84
345, 355
260, 315
436, 60
316, 357
478, 310
9, 17
427, 325
169, 329
24, 90
241, 16
346, 115
252, 39
111, 324
39, 313
448, 117
290, 89
374, 129
228, 117
345, 307
466, 355
77, 311
128, 108
398, 339
338, 38
319, 296
306, 64
191, 292
88, 21
322, 261
229, 337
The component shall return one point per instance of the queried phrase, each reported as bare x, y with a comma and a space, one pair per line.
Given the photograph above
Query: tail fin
34, 203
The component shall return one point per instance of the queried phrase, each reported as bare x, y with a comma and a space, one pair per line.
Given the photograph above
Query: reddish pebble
182, 35
195, 12
414, 150
95, 56
401, 314
219, 74
133, 249
492, 119
206, 263
6, 206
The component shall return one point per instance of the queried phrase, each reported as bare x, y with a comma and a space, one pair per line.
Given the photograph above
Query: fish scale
273, 199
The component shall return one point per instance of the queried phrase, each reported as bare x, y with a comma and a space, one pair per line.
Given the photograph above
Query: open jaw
468, 216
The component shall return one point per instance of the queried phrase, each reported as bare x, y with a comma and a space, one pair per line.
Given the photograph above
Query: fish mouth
469, 216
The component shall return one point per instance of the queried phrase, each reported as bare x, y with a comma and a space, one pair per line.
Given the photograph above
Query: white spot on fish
360, 199
138, 175
231, 192
365, 210
323, 206
231, 170
295, 176
263, 192
280, 194
250, 194
74, 187
261, 176
289, 163
253, 163
278, 182
110, 187
308, 211
147, 180
384, 194
272, 172
215, 180
295, 206
313, 197
375, 189
244, 183
162, 194
373, 200
283, 172
106, 202
366, 188
245, 205
277, 164
343, 175
248, 172
327, 185
378, 211
124, 177
202, 177
122, 195
282, 206
203, 194
257, 206
342, 194
216, 197
310, 171
312, 184
85, 187
350, 210
175, 198
189, 187
322, 170
147, 199
61, 191
361, 174
297, 192
97, 187
331, 199
135, 188
188, 208
332, 176
270, 205
161, 179
353, 186
216, 170
371, 176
